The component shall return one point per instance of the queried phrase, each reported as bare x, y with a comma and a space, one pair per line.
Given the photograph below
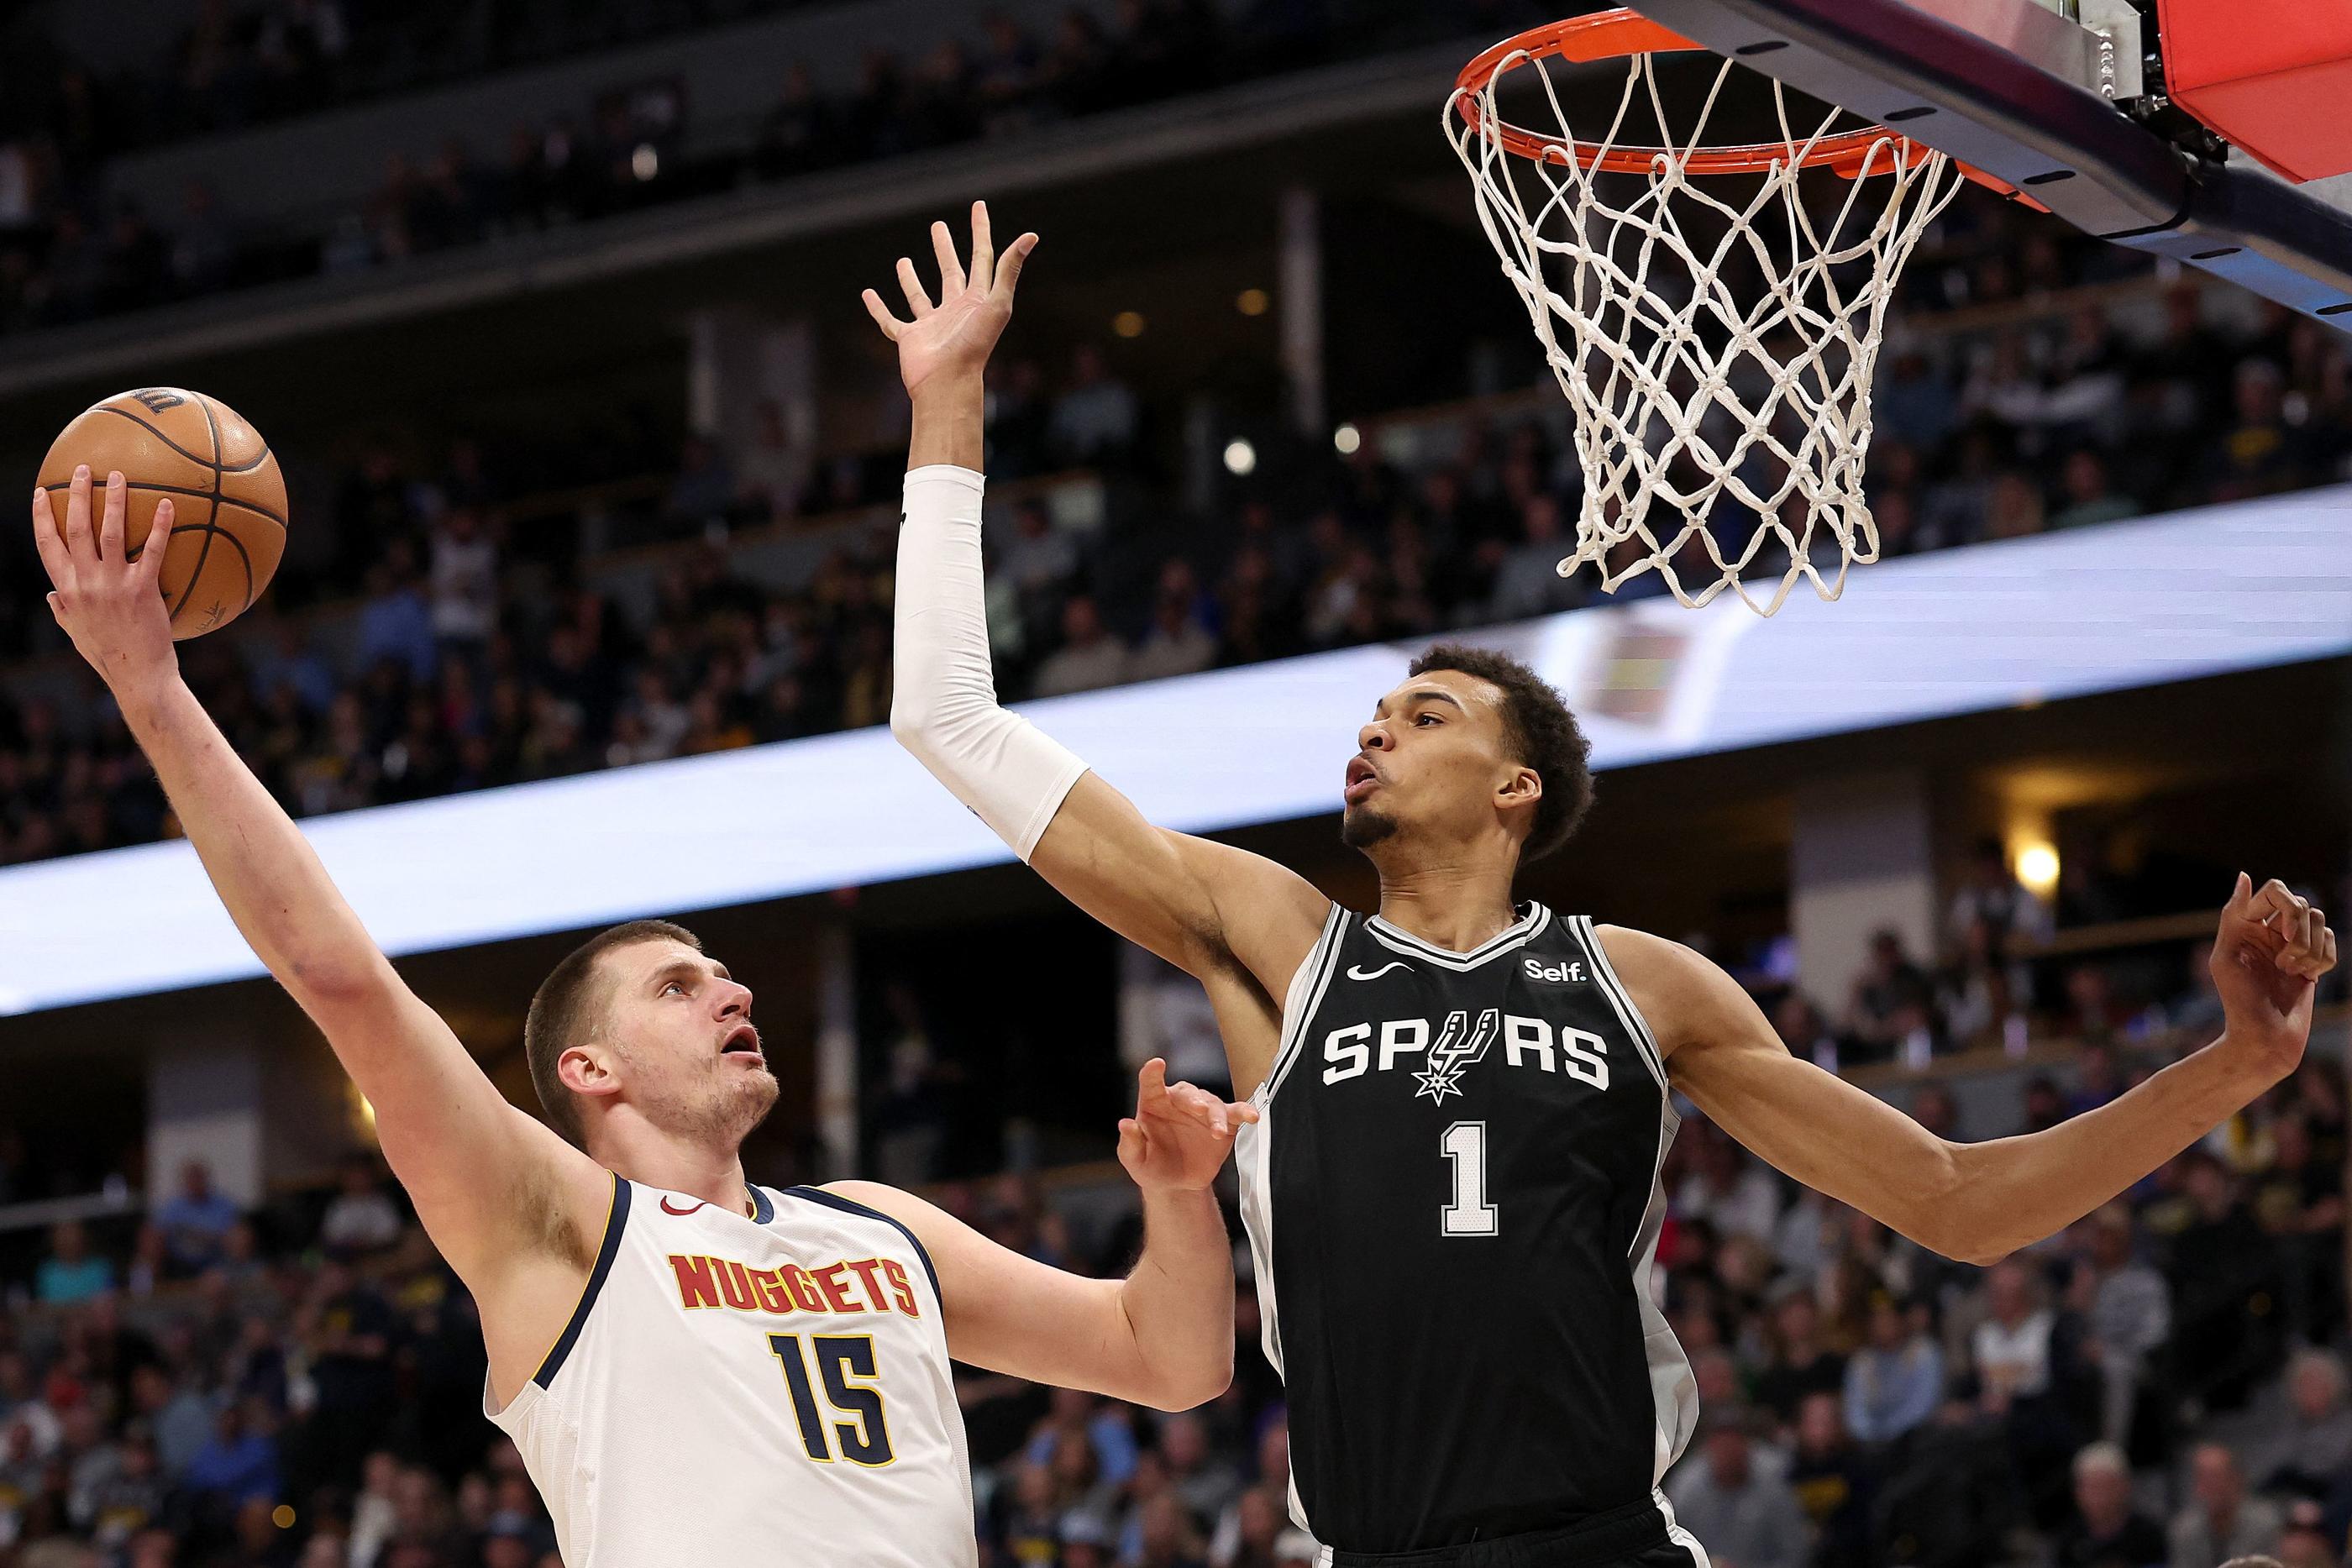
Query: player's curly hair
1543, 734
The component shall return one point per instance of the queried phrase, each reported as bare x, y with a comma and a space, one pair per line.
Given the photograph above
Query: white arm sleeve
943, 702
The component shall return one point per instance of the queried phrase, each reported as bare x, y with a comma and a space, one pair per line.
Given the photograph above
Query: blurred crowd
67, 253
478, 652
2163, 1384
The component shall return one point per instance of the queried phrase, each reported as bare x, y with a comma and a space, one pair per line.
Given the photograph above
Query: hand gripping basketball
110, 605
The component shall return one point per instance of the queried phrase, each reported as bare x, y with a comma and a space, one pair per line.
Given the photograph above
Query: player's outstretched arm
490, 1183
1980, 1201
1163, 1336
1241, 923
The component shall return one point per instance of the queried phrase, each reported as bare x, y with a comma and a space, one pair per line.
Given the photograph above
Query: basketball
226, 492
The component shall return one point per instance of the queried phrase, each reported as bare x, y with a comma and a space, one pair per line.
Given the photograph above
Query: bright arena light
645, 163
1240, 457
2037, 868
1348, 439
1127, 323
1252, 301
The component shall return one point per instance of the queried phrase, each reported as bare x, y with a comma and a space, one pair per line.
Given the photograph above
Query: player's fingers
58, 608
951, 267
1131, 1144
1242, 1110
1008, 271
917, 302
1152, 1085
1204, 1108
110, 520
2240, 896
159, 534
891, 325
49, 541
983, 249
2273, 899
78, 514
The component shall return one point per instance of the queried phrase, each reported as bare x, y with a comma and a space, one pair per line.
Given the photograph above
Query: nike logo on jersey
1358, 972
681, 1213
1538, 970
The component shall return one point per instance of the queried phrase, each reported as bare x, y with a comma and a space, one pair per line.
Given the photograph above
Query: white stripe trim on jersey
1676, 1534
1307, 989
1524, 930
1674, 1387
1620, 998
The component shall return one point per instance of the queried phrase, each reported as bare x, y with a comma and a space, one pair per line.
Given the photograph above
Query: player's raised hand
2268, 958
1180, 1136
109, 603
953, 337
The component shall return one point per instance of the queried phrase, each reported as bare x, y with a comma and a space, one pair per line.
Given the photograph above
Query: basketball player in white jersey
1470, 1095
697, 1369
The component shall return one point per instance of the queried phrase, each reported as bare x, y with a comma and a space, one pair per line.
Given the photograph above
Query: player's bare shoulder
1678, 990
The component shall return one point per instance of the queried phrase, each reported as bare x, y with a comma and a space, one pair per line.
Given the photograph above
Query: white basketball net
1699, 396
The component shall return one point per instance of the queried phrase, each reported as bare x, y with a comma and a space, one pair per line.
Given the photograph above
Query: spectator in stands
1897, 1380
180, 1417
2129, 1311
1094, 420
70, 1273
2259, 454
1733, 1193
2089, 492
2300, 1201
395, 621
2106, 1530
1891, 1006
704, 490
1744, 1515
362, 1219
196, 1220
2309, 1452
1799, 1365
1177, 643
2220, 1521
238, 1463
1089, 655
465, 578
1528, 581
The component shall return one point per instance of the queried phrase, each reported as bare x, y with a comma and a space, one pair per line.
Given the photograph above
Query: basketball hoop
1722, 320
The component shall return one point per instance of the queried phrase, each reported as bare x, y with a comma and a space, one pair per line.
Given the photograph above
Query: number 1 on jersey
1469, 1214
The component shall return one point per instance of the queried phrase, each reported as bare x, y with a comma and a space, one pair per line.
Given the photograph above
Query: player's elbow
910, 719
1190, 1386
1957, 1216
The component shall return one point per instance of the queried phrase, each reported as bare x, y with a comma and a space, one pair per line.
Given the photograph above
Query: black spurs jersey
1453, 1199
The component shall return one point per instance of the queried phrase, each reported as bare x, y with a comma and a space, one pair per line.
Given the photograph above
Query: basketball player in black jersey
1453, 1194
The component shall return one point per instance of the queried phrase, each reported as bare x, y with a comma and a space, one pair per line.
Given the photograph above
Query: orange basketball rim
1624, 32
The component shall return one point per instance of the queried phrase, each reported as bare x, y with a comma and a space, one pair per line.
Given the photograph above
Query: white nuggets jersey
763, 1388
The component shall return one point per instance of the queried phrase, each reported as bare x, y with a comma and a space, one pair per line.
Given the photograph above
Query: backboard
2068, 102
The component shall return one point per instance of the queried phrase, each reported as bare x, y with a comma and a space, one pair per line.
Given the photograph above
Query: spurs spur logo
1458, 1047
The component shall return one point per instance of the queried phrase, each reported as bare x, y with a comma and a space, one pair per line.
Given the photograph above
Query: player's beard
720, 1111
1361, 827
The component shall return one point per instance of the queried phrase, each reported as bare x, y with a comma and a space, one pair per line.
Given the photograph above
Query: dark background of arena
475, 269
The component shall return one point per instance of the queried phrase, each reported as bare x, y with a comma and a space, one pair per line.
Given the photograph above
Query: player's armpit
1013, 1314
